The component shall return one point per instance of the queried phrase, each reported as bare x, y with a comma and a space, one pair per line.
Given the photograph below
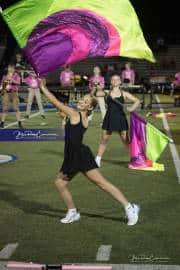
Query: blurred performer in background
96, 86
9, 87
176, 82
19, 62
34, 91
128, 75
67, 77
67, 82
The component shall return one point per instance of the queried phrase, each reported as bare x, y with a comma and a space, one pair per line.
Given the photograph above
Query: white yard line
23, 119
103, 253
7, 251
172, 146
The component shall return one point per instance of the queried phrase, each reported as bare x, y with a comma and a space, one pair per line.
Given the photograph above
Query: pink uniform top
66, 77
13, 82
32, 82
96, 79
128, 74
177, 79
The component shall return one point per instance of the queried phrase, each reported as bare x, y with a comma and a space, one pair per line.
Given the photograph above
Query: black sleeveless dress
115, 118
77, 156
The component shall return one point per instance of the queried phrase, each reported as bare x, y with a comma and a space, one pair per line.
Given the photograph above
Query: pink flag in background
138, 157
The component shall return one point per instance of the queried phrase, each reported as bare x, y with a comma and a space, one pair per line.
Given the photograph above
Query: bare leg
124, 137
102, 106
18, 116
3, 117
96, 177
65, 193
15, 102
5, 105
39, 101
103, 142
29, 101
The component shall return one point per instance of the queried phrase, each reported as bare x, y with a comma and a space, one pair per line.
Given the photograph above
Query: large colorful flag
54, 33
146, 144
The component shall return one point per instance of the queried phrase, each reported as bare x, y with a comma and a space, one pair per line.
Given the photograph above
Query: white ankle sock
98, 158
72, 210
128, 207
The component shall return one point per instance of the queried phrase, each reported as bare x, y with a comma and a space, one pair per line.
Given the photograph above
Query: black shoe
43, 116
20, 124
26, 116
2, 125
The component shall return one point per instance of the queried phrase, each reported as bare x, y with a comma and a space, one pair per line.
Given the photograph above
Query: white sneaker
71, 216
98, 161
132, 214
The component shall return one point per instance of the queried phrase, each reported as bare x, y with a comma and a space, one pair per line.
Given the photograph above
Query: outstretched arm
59, 105
133, 99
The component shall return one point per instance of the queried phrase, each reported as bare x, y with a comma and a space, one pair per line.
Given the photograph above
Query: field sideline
30, 206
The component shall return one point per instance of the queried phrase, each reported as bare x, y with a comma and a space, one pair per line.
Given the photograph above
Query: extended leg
72, 214
102, 146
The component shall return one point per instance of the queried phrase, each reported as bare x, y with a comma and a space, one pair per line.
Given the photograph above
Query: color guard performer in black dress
79, 158
115, 118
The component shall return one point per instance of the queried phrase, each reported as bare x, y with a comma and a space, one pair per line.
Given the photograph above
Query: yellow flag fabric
54, 33
156, 142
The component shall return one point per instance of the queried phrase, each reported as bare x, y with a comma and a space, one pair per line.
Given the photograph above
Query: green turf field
30, 207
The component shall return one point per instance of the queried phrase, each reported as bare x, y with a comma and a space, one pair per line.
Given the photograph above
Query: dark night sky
154, 15
157, 16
